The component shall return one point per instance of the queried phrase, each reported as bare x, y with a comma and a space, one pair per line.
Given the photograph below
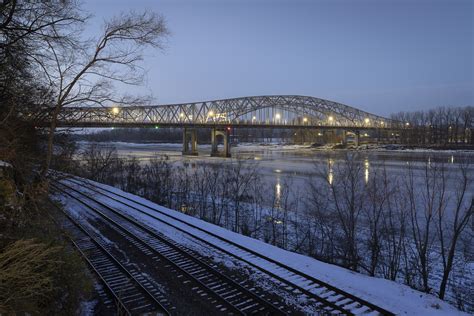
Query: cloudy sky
382, 56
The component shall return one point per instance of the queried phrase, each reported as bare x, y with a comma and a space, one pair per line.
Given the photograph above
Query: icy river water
280, 163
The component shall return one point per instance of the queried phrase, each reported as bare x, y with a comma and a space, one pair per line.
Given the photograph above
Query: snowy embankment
392, 296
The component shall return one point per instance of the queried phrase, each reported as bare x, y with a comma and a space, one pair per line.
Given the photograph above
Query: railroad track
226, 295
131, 292
326, 296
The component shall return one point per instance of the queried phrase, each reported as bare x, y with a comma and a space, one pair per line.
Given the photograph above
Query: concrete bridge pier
357, 138
344, 137
214, 143
190, 142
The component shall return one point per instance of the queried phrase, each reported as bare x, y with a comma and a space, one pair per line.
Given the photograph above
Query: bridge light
211, 113
277, 116
181, 114
407, 124
156, 126
305, 119
367, 121
330, 118
382, 123
254, 118
228, 128
115, 110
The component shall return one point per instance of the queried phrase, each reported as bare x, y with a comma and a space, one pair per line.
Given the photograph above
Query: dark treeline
241, 134
38, 273
415, 229
443, 126
137, 135
175, 135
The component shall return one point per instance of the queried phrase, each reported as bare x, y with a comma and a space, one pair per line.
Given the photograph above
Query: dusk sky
380, 56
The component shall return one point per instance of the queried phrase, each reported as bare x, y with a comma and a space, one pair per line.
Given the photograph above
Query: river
297, 163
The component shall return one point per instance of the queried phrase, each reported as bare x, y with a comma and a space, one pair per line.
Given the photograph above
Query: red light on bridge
228, 128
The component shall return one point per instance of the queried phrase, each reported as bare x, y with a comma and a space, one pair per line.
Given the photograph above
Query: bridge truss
258, 111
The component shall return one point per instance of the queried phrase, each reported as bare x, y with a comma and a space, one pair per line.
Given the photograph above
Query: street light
277, 116
211, 113
115, 110
330, 118
367, 121
305, 119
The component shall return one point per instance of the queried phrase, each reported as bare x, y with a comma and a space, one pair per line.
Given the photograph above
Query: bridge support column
357, 138
214, 143
190, 142
344, 137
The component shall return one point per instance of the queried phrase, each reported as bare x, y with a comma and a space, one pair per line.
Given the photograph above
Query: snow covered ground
392, 296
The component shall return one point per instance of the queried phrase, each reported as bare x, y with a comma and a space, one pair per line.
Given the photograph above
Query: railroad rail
130, 290
222, 292
328, 297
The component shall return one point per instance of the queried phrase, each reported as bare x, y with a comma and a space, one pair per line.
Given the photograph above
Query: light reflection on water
301, 165
366, 170
277, 193
331, 171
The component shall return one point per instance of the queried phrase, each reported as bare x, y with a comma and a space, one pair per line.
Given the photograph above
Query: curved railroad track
131, 292
330, 298
227, 296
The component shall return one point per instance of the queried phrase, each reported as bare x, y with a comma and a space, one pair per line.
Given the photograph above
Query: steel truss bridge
278, 111
258, 111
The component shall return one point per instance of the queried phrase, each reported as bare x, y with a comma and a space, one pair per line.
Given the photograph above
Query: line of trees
175, 135
441, 126
414, 229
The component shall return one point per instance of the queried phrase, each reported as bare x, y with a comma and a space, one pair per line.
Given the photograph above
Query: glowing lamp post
277, 117
210, 114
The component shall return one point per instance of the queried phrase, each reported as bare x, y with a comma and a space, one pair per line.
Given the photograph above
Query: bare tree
83, 74
426, 193
347, 194
158, 175
240, 174
452, 220
98, 162
394, 232
378, 192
